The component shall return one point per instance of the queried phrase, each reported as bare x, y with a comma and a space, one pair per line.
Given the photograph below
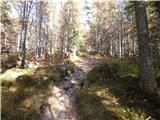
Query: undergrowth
114, 94
113, 69
23, 95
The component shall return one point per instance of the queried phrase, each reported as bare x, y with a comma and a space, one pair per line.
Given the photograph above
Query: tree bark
158, 7
24, 47
146, 67
24, 32
158, 26
121, 38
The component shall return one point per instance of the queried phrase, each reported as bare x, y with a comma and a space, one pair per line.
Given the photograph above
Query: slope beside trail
59, 104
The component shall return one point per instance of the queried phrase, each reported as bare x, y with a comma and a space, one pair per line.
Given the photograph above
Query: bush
7, 83
114, 69
101, 72
26, 81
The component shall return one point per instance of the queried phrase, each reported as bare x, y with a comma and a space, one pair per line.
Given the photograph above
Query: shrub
101, 72
25, 81
113, 69
7, 83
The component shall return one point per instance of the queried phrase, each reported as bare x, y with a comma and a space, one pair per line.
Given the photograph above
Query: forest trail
59, 104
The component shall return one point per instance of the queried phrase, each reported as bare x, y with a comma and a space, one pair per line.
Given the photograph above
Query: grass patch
22, 95
115, 100
114, 94
90, 106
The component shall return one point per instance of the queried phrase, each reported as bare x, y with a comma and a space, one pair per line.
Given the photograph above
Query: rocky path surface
59, 104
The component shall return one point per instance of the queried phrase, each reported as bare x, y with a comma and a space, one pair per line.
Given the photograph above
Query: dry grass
24, 90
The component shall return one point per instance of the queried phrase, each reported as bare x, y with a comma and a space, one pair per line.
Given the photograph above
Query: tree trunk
146, 67
24, 47
121, 38
158, 27
24, 32
158, 7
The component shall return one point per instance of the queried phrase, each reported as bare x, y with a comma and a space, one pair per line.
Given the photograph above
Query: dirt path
59, 104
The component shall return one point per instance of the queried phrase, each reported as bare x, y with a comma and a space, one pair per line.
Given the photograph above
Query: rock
66, 84
73, 82
58, 94
71, 85
63, 67
45, 78
66, 88
61, 99
66, 78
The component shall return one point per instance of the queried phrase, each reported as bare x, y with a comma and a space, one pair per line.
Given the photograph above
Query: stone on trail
66, 78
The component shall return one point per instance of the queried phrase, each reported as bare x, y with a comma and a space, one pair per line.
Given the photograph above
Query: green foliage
80, 41
100, 72
113, 69
25, 81
7, 83
129, 6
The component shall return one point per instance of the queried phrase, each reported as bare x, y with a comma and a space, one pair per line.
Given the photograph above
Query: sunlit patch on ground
13, 73
101, 104
12, 89
76, 58
23, 91
58, 105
